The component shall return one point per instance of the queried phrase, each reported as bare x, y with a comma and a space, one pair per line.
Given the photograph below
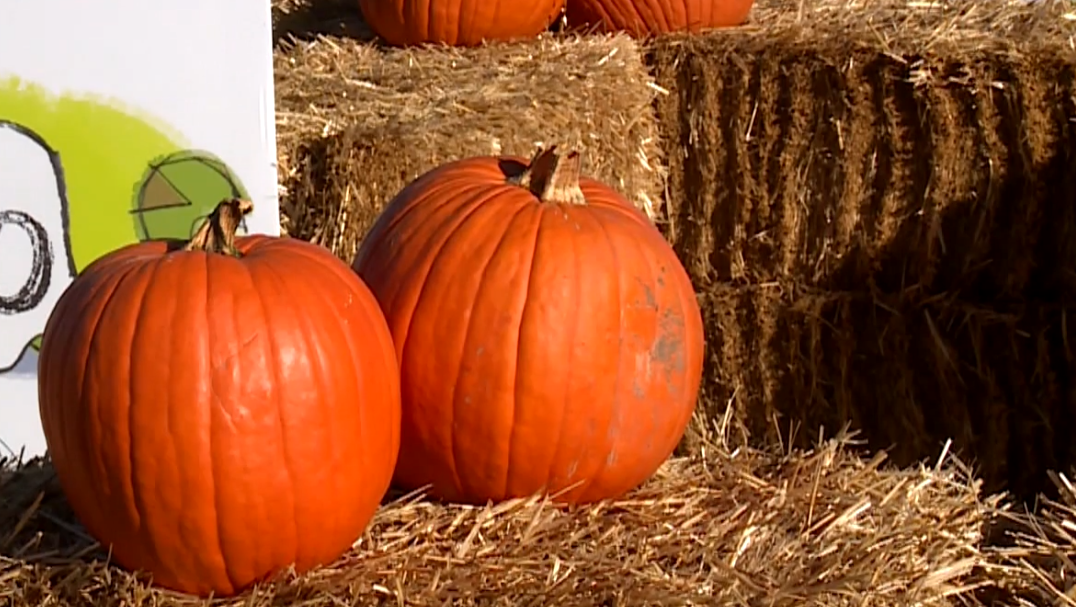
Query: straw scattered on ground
1037, 554
879, 201
357, 122
724, 528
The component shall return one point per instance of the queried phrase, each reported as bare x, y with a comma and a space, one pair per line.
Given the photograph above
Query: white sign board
119, 122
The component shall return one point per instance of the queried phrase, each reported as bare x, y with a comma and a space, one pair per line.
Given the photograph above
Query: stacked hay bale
358, 122
878, 204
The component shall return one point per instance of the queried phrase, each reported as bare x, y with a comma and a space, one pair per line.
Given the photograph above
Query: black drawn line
35, 230
33, 291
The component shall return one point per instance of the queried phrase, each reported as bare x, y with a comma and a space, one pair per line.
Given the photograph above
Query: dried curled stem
217, 234
554, 177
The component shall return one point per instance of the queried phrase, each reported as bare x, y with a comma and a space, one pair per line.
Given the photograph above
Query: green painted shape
104, 150
107, 152
180, 190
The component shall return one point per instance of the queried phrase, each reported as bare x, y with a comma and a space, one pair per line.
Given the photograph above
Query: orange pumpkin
218, 412
458, 22
650, 17
549, 339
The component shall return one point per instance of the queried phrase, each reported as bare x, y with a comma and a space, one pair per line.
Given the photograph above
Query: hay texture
879, 200
741, 528
1036, 557
357, 122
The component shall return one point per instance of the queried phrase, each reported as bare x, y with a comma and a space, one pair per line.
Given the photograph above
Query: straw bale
857, 185
910, 373
941, 133
822, 527
357, 122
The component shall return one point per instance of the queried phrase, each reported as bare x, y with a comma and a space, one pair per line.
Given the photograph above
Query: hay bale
357, 122
910, 373
942, 134
755, 528
880, 201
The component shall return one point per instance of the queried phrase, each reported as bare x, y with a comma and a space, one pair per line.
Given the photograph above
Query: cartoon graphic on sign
33, 238
178, 191
80, 177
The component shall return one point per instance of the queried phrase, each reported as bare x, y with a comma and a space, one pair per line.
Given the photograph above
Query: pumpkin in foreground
549, 339
458, 22
643, 18
220, 411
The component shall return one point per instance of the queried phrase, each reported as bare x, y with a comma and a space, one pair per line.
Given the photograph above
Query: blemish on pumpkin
226, 362
572, 469
668, 348
638, 391
643, 372
649, 300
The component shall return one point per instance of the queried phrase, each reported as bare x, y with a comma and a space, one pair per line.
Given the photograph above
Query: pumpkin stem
217, 234
553, 177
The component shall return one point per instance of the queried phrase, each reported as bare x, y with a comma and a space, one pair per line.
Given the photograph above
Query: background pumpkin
548, 337
215, 419
648, 17
458, 22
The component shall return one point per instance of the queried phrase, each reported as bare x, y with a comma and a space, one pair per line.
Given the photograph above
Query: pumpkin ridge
571, 335
389, 222
309, 339
519, 334
475, 297
659, 312
274, 358
638, 259
689, 311
145, 305
374, 243
465, 26
657, 14
362, 379
448, 228
617, 408
82, 450
432, 22
214, 448
636, 17
131, 280
130, 492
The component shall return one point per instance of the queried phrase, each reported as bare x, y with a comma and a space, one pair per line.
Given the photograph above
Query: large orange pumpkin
458, 22
649, 17
218, 412
549, 339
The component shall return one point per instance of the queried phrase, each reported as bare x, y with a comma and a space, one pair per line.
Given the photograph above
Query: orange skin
458, 22
544, 347
216, 419
642, 18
